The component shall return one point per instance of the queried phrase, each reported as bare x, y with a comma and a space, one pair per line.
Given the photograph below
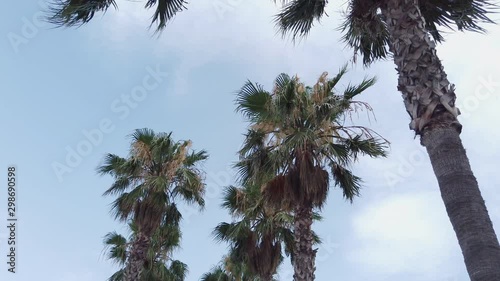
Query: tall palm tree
159, 265
407, 30
296, 134
157, 173
257, 235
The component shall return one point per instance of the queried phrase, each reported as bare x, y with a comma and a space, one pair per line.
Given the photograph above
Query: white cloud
404, 233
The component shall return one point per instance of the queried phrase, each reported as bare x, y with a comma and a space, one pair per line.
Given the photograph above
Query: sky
71, 95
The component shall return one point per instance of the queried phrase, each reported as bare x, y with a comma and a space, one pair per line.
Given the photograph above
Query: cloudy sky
67, 100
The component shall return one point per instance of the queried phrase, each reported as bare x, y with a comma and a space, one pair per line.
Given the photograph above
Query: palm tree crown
157, 171
297, 131
365, 27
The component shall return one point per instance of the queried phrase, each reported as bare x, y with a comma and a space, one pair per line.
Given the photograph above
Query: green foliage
365, 30
159, 266
79, 12
256, 234
156, 173
297, 17
296, 132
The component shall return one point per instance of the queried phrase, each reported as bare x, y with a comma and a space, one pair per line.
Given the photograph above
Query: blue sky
60, 84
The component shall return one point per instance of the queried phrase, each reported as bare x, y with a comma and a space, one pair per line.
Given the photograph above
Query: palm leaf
77, 12
251, 100
349, 183
365, 31
297, 16
165, 11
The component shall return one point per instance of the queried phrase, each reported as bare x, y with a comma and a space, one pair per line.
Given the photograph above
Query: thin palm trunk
135, 262
429, 99
304, 255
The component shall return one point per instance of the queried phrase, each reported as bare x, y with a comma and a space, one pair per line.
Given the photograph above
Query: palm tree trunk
304, 255
135, 262
268, 277
430, 100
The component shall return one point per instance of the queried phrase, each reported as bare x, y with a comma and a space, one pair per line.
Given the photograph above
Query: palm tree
296, 133
159, 265
157, 172
257, 234
407, 30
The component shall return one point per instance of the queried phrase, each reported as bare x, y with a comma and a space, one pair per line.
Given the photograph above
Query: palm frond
172, 215
76, 12
112, 165
231, 232
365, 31
251, 100
297, 16
190, 187
165, 11
465, 15
335, 80
349, 183
216, 274
123, 206
233, 200
353, 90
195, 157
281, 82
370, 146
119, 186
117, 245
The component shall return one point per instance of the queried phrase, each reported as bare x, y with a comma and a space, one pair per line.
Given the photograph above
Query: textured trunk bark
464, 204
430, 100
267, 278
135, 262
304, 255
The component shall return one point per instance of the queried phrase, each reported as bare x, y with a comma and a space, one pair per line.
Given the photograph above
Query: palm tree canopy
79, 12
157, 171
256, 234
297, 131
364, 27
